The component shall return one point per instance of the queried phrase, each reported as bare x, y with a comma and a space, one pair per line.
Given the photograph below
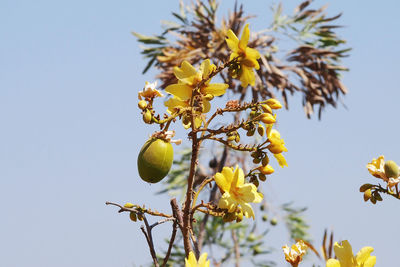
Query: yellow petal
247, 210
248, 193
370, 262
191, 261
247, 76
182, 91
206, 106
281, 160
224, 179
232, 40
332, 263
245, 37
206, 68
344, 253
173, 103
238, 177
216, 89
203, 261
364, 254
186, 70
227, 202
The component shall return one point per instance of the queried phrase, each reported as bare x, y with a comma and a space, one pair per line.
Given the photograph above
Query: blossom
344, 253
189, 78
236, 192
295, 254
150, 91
192, 262
247, 57
277, 145
377, 168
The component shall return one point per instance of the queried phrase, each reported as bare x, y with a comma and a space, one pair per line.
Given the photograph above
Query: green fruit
391, 169
155, 160
274, 221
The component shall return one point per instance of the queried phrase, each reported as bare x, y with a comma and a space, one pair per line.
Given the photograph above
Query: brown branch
171, 243
236, 248
137, 209
149, 239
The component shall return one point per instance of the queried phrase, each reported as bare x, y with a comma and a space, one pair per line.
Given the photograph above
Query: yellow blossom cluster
295, 254
387, 171
191, 261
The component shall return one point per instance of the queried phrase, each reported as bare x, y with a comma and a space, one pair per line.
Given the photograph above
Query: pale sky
71, 131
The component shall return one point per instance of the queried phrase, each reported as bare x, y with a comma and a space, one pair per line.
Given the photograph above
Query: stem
171, 243
149, 239
236, 248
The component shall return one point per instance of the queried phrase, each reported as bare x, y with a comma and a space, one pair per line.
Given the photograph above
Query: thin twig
171, 243
149, 239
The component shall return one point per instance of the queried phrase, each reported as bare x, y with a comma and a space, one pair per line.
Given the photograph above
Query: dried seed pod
133, 216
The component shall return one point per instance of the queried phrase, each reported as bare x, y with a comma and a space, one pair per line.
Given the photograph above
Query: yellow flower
277, 145
344, 253
189, 78
236, 192
192, 262
149, 91
295, 255
247, 57
377, 168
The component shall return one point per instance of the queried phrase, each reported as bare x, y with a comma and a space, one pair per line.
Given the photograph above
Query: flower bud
142, 104
273, 103
128, 205
264, 218
256, 161
365, 187
251, 132
367, 194
262, 177
265, 161
260, 130
140, 217
267, 118
231, 138
147, 116
266, 108
132, 216
266, 169
228, 217
274, 221
391, 169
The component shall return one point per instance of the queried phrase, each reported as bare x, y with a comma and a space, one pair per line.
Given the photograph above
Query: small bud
391, 169
267, 118
237, 138
262, 177
266, 169
132, 216
377, 196
265, 161
231, 138
257, 250
365, 187
142, 104
256, 161
373, 200
251, 132
228, 217
253, 113
266, 108
147, 116
128, 205
239, 216
264, 218
213, 163
274, 221
252, 237
260, 130
255, 181
367, 195
273, 103
140, 217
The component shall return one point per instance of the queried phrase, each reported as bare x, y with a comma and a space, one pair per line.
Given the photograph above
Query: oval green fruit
155, 160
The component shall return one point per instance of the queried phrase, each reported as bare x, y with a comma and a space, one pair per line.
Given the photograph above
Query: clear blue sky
71, 130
